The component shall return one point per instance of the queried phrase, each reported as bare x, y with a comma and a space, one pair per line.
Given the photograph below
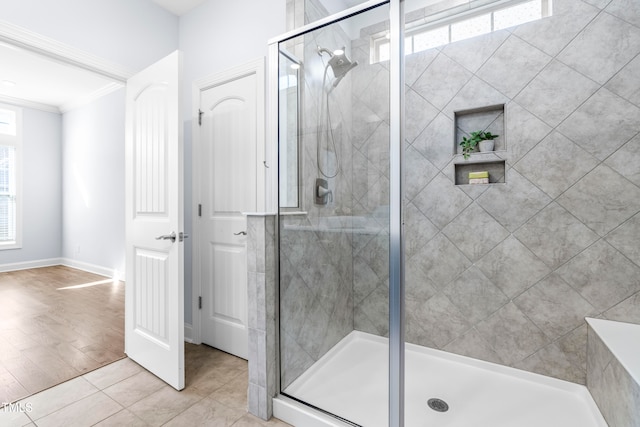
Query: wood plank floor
56, 323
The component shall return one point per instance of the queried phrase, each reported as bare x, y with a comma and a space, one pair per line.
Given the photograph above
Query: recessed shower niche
487, 119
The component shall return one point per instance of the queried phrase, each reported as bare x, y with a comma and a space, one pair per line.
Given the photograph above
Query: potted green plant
478, 138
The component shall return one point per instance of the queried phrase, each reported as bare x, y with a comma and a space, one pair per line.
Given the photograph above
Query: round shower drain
438, 405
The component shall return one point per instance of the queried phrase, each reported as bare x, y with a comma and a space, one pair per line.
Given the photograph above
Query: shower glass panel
334, 245
491, 299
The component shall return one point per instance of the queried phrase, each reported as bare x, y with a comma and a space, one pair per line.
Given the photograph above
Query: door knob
171, 237
240, 233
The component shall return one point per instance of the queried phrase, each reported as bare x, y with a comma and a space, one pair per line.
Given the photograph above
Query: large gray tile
574, 346
513, 66
417, 63
440, 261
552, 362
472, 344
625, 161
626, 311
376, 308
442, 79
415, 333
613, 41
163, 405
365, 280
524, 131
474, 295
602, 124
556, 92
122, 418
625, 83
552, 34
512, 267
207, 412
474, 94
602, 200
628, 10
436, 142
14, 417
56, 398
294, 360
511, 335
418, 114
376, 94
295, 303
113, 373
418, 230
515, 203
602, 275
441, 201
418, 172
554, 306
474, 52
129, 391
85, 412
439, 318
555, 236
555, 164
417, 283
475, 232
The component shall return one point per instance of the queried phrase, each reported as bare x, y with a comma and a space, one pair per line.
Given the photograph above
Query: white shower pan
350, 381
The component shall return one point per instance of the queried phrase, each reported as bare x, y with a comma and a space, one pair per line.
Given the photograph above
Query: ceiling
37, 81
178, 7
45, 83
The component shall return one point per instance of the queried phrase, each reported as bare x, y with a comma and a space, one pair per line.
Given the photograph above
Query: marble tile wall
507, 272
613, 388
261, 290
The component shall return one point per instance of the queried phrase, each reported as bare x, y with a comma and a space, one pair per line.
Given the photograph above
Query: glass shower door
334, 219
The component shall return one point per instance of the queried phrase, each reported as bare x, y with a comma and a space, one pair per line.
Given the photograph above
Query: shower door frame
396, 158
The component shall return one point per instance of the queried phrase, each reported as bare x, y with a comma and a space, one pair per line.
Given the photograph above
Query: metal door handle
240, 233
171, 237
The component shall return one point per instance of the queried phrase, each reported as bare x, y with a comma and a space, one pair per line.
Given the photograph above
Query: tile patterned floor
125, 394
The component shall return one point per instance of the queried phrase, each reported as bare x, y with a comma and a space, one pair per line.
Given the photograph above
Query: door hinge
200, 303
199, 210
200, 113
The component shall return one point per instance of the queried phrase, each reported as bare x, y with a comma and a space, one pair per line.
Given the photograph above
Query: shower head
339, 62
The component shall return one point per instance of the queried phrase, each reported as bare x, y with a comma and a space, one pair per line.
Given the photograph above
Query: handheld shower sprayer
339, 62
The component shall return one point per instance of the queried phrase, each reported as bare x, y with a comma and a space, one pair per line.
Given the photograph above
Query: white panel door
154, 298
229, 140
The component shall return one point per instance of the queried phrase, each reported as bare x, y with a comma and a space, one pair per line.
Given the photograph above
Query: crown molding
29, 104
20, 37
85, 100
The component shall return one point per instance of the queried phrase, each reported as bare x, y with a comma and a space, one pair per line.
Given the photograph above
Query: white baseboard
30, 264
39, 263
92, 268
188, 333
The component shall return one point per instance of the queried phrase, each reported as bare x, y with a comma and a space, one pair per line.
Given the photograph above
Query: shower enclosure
417, 285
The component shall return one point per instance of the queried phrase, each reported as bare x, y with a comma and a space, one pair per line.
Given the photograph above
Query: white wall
88, 229
131, 33
93, 185
42, 189
216, 36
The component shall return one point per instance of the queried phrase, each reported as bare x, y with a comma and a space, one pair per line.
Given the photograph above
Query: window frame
15, 141
380, 41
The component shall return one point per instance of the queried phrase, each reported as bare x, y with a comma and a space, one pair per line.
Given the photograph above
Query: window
10, 202
499, 15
